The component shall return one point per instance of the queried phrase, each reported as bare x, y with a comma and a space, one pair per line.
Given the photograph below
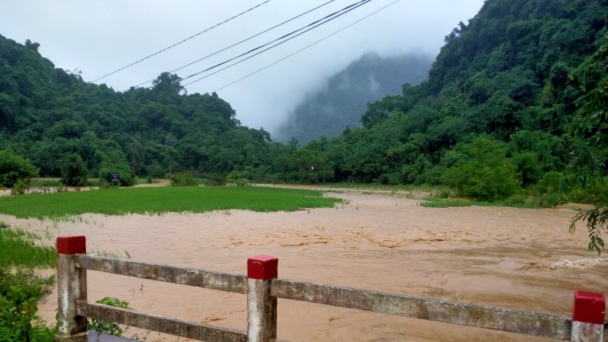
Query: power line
240, 42
304, 48
182, 41
316, 24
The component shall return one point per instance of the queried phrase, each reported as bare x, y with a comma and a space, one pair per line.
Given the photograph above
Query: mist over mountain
344, 99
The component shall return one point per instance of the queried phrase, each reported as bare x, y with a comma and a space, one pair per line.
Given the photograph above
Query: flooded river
512, 258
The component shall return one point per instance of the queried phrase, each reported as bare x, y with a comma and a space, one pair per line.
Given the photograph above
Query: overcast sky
98, 37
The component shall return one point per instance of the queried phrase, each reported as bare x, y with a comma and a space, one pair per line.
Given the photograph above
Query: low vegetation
21, 288
20, 291
162, 200
21, 248
103, 326
182, 179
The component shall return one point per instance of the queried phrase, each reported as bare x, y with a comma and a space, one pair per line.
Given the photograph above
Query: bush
517, 200
482, 171
20, 292
182, 179
242, 182
215, 179
549, 200
74, 171
552, 182
107, 327
19, 187
233, 176
104, 184
14, 168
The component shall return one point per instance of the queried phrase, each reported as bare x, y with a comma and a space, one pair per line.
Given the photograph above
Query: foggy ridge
344, 99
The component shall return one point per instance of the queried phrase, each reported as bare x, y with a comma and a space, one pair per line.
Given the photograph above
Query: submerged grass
162, 200
398, 187
431, 202
19, 248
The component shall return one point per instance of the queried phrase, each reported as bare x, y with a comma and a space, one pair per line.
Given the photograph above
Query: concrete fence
263, 287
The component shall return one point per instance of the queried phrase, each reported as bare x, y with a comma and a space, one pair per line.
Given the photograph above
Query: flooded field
513, 258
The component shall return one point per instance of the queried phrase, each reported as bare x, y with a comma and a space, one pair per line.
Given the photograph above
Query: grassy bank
385, 187
162, 200
514, 202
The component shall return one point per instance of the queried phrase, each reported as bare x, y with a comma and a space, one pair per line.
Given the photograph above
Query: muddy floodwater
505, 257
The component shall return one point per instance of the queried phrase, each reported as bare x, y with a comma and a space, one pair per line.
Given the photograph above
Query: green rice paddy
19, 248
161, 200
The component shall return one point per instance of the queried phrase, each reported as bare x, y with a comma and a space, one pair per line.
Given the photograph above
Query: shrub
233, 176
549, 200
242, 182
215, 179
19, 187
74, 171
552, 182
20, 291
517, 200
14, 168
182, 179
104, 184
107, 327
482, 171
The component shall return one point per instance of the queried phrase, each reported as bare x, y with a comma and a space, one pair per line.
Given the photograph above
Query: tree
167, 83
482, 171
590, 129
74, 171
14, 168
597, 221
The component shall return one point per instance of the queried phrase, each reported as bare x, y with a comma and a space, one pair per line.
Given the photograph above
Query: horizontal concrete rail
262, 287
172, 326
221, 281
521, 322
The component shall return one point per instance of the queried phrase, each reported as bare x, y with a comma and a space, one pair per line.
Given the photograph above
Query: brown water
505, 257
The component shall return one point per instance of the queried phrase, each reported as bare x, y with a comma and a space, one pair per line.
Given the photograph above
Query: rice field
161, 200
20, 248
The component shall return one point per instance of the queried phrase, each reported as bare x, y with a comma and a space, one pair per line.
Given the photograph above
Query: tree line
514, 104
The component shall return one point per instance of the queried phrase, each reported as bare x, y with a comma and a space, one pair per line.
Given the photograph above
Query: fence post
588, 317
72, 287
261, 307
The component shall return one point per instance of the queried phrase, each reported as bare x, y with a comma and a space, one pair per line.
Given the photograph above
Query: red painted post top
262, 267
71, 245
589, 307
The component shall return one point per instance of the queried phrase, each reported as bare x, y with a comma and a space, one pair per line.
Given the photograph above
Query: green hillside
516, 99
47, 114
515, 104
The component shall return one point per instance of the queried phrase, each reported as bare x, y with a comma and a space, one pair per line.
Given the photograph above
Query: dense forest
515, 101
48, 114
344, 98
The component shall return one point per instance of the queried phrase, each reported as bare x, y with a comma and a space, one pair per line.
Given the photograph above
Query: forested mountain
515, 100
47, 114
344, 99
